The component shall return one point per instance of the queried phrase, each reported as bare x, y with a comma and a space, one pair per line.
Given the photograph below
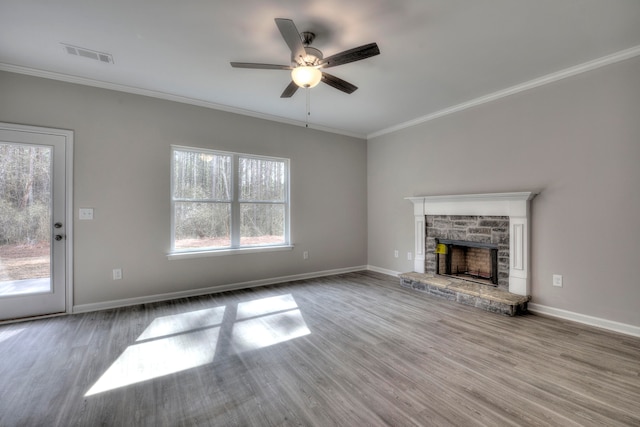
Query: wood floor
349, 350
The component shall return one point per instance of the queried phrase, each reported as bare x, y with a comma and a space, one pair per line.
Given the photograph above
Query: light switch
86, 213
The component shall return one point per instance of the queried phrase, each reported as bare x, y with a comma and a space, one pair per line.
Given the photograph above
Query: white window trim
225, 251
211, 252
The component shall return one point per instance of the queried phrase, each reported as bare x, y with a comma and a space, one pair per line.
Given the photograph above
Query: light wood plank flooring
348, 350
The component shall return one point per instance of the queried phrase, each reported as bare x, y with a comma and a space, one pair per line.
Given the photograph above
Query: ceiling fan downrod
307, 37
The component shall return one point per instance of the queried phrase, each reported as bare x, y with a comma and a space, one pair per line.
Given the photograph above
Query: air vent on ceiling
88, 53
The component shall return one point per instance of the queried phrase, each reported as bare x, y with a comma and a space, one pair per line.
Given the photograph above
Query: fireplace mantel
514, 205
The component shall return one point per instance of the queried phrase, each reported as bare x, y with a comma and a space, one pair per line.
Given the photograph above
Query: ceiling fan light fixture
306, 77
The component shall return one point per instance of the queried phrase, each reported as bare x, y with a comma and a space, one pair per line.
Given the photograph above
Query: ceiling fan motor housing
313, 57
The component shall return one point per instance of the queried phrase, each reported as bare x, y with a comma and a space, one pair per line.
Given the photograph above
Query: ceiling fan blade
289, 90
260, 66
338, 83
292, 37
351, 55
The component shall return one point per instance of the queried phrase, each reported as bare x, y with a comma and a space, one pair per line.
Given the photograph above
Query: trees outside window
25, 211
223, 200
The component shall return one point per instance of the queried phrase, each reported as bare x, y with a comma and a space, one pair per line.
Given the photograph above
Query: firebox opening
472, 261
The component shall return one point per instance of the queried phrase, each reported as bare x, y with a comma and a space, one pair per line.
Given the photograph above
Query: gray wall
576, 141
122, 170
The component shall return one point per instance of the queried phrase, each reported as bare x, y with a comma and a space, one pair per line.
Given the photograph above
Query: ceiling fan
307, 62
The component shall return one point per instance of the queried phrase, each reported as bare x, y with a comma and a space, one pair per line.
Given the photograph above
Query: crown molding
531, 84
168, 97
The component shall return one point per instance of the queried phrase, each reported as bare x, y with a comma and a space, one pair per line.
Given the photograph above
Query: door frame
68, 215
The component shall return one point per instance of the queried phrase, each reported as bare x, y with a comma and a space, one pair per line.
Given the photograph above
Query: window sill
224, 252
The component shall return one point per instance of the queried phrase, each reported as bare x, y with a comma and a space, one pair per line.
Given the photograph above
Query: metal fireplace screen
468, 260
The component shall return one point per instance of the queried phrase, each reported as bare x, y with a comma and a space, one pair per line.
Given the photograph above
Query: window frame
235, 207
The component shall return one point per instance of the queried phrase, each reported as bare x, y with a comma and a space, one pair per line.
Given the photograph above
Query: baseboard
84, 308
585, 319
383, 270
532, 307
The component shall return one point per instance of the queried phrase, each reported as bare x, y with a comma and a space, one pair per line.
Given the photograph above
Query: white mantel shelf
497, 204
514, 205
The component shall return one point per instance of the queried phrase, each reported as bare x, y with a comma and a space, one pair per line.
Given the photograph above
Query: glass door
33, 229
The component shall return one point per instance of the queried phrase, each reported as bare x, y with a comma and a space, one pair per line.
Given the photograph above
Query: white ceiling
435, 54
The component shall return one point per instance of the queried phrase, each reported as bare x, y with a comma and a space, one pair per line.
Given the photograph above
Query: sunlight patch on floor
268, 330
175, 343
157, 358
262, 306
184, 322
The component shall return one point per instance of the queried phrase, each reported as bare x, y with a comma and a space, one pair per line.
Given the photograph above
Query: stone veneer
482, 229
484, 297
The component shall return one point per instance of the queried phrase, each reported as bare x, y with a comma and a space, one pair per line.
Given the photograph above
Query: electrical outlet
557, 280
117, 274
396, 254
409, 256
305, 255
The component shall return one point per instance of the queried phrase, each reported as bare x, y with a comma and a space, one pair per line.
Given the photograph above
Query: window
225, 201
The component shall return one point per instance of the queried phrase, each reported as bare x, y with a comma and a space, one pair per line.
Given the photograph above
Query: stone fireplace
474, 247
492, 228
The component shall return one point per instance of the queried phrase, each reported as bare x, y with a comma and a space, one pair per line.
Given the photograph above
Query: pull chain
308, 107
